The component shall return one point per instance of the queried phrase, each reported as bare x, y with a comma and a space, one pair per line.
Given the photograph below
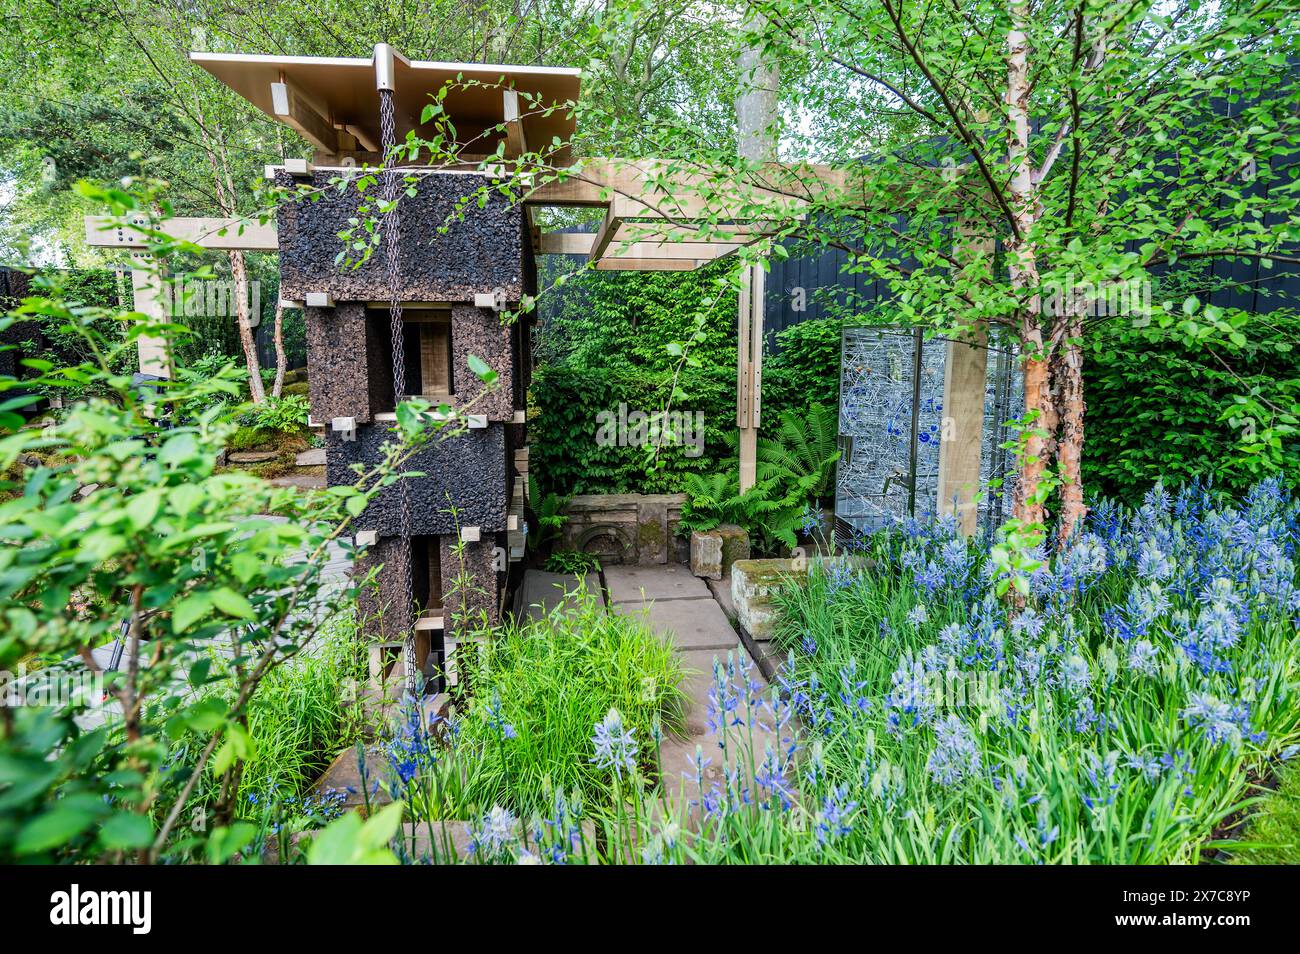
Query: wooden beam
647, 265
363, 138
785, 187
603, 237
706, 233
218, 234
292, 109
580, 243
516, 141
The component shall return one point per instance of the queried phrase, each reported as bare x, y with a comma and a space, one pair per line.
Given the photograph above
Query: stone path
681, 609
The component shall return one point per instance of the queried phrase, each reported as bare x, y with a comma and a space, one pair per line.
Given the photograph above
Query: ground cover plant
1115, 718
1272, 833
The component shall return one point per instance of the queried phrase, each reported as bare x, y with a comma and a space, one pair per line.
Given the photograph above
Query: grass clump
540, 689
1273, 833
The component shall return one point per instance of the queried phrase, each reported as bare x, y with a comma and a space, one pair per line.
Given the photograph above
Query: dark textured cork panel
465, 606
479, 332
385, 614
481, 252
338, 363
471, 468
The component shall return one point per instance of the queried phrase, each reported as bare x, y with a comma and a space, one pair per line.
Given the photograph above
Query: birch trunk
225, 188
277, 388
1023, 272
239, 272
1069, 447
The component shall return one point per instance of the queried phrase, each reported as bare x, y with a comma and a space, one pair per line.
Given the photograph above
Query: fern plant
794, 468
548, 513
771, 510
806, 445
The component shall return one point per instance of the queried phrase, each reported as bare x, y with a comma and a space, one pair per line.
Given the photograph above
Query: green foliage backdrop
604, 340
1160, 410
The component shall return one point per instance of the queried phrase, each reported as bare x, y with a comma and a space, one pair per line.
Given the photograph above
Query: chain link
392, 226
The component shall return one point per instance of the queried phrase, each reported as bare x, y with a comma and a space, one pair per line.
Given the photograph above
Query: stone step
252, 456
311, 458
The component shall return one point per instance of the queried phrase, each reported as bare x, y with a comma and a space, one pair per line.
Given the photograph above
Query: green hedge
804, 368
604, 339
1154, 407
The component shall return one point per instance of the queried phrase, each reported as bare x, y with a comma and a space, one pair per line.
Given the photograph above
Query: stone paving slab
312, 457
721, 590
542, 592
687, 623
343, 775
746, 744
638, 583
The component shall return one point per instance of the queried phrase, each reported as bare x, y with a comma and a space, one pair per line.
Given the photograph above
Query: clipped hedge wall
604, 339
1154, 408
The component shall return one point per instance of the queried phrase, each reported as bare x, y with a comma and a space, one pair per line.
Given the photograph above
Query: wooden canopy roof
333, 100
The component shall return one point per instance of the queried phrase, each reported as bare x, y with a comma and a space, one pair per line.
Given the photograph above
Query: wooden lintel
293, 110
211, 233
580, 243
648, 187
647, 264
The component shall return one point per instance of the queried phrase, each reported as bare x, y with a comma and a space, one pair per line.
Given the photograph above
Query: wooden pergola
654, 218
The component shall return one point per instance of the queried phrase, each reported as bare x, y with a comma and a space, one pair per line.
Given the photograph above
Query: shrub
1160, 410
287, 414
804, 368
572, 561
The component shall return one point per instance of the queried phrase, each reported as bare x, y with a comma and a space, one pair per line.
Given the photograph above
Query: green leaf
56, 827
190, 610
348, 841
142, 508
481, 369
126, 830
224, 843
232, 603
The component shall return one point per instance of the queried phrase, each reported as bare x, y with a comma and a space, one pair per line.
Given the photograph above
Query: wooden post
965, 373
756, 114
155, 356
211, 233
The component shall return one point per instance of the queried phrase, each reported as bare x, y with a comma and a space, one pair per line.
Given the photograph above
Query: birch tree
1100, 144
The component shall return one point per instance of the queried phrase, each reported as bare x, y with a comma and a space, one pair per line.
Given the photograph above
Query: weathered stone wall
470, 469
625, 528
482, 252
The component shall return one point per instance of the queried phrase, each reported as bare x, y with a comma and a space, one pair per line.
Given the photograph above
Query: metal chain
392, 232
